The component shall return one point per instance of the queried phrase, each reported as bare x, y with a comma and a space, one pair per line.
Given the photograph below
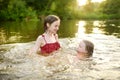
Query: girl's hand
31, 53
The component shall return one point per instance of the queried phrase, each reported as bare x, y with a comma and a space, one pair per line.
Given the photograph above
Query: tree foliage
15, 10
65, 9
111, 8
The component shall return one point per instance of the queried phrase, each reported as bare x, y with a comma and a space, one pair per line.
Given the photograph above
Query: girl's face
81, 48
54, 27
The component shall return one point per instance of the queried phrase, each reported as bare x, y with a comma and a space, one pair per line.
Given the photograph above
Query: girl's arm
37, 45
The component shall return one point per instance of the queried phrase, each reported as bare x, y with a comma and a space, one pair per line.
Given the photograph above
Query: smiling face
52, 23
85, 49
54, 27
81, 48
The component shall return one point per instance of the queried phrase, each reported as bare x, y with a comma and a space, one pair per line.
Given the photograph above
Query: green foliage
58, 7
65, 9
16, 10
53, 6
40, 6
111, 8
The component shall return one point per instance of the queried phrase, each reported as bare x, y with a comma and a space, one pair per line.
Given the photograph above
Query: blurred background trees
66, 9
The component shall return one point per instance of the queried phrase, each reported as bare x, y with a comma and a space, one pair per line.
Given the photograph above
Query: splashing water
17, 64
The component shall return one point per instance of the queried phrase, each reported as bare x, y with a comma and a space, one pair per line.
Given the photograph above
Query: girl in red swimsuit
48, 41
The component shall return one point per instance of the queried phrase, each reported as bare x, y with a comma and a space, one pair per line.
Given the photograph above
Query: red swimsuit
49, 47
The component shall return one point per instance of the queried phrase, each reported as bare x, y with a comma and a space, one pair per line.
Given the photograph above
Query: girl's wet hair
50, 19
89, 47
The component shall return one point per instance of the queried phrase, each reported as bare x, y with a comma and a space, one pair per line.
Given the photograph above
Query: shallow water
17, 64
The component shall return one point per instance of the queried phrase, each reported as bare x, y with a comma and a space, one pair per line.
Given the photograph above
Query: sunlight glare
97, 1
84, 2
96, 30
96, 23
81, 2
81, 29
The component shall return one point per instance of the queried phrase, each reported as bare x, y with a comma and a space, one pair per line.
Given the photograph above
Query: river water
17, 64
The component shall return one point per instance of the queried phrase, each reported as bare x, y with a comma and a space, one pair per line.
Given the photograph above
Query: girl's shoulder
40, 40
56, 36
40, 37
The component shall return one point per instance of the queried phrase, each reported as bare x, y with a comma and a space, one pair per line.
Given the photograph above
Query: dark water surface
11, 32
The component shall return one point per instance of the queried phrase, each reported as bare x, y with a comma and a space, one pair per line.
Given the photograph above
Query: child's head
51, 19
85, 48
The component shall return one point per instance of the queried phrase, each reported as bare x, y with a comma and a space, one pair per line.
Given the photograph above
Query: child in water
84, 51
48, 41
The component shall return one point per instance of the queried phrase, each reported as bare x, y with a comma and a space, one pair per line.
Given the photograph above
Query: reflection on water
11, 32
112, 28
81, 29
